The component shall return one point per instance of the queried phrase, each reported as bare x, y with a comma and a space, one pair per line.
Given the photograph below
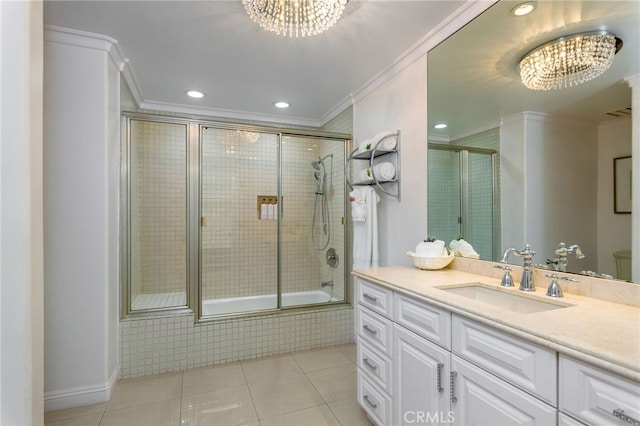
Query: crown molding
228, 113
616, 121
87, 40
450, 25
476, 130
633, 80
544, 117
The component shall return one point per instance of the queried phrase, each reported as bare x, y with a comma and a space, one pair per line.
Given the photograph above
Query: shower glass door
157, 215
462, 198
238, 244
312, 232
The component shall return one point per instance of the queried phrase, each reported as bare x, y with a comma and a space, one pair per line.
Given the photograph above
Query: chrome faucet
562, 252
326, 283
526, 282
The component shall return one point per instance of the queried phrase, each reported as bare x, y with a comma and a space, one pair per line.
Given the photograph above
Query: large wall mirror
551, 179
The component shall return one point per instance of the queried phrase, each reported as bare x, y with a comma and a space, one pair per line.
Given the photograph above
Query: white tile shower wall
173, 343
158, 207
238, 250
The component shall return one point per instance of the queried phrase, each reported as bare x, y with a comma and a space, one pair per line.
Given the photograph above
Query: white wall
614, 230
400, 103
81, 146
21, 261
512, 181
556, 187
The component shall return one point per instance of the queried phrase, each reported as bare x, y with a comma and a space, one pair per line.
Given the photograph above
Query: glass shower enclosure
229, 220
462, 196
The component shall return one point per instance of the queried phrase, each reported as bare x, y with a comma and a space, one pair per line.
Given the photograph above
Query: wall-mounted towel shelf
376, 172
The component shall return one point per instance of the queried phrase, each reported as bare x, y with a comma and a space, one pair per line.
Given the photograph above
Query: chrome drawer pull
619, 413
368, 364
370, 297
366, 328
452, 397
439, 387
372, 404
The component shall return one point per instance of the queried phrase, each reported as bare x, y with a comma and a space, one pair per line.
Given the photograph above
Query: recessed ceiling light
524, 8
281, 104
195, 94
440, 126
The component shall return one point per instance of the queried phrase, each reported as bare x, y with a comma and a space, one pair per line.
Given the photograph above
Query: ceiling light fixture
295, 18
281, 104
570, 60
440, 126
524, 8
195, 94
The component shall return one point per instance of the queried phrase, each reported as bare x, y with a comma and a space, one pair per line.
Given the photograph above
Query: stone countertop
598, 332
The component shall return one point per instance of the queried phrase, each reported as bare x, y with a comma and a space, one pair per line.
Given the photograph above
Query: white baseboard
84, 395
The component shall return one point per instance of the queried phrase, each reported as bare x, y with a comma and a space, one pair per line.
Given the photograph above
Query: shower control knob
332, 258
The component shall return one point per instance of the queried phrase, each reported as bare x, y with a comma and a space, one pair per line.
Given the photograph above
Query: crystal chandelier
295, 18
569, 61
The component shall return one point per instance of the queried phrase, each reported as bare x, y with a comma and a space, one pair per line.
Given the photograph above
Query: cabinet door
479, 398
597, 397
421, 372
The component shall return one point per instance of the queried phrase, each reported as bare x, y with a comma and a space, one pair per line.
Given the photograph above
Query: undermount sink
502, 298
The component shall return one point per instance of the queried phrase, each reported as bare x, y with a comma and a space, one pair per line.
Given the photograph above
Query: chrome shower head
315, 165
316, 175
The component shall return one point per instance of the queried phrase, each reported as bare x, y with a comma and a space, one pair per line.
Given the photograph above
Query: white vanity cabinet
481, 398
597, 397
421, 364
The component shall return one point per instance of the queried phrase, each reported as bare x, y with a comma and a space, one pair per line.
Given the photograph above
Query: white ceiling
213, 46
474, 76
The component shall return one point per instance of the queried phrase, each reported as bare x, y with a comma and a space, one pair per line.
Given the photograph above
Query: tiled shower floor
311, 388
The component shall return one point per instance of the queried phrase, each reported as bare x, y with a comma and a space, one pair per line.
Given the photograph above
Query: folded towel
431, 249
363, 146
357, 197
384, 171
365, 175
358, 212
463, 249
386, 140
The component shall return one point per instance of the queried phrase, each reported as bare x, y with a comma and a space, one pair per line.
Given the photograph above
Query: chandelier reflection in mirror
295, 18
569, 60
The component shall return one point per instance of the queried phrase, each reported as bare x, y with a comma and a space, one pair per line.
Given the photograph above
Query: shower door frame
463, 152
193, 208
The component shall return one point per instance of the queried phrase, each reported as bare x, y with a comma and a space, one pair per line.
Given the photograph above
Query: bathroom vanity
453, 347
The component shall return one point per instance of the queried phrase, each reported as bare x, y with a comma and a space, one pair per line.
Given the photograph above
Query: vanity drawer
374, 297
375, 366
595, 396
374, 329
523, 364
423, 319
375, 402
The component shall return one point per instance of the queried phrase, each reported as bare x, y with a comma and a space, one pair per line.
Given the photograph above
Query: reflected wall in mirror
555, 148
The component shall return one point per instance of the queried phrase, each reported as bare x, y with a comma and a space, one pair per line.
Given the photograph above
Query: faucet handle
554, 289
507, 279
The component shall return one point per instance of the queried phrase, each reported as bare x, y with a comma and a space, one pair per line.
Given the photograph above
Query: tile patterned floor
312, 388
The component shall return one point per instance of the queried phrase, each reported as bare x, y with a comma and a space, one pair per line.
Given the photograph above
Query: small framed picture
622, 185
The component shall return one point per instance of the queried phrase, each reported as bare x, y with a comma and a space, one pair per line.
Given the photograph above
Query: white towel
363, 146
463, 249
365, 175
365, 234
358, 205
384, 171
386, 140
